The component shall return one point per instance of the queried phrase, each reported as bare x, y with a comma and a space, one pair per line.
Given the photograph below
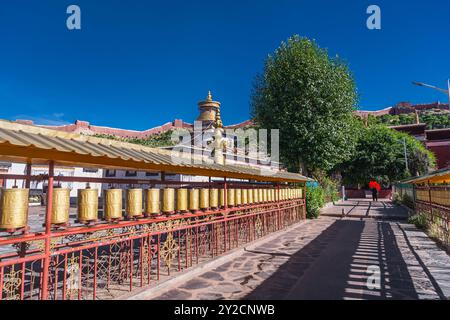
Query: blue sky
137, 64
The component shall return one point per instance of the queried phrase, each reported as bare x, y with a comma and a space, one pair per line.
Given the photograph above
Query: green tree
380, 155
310, 98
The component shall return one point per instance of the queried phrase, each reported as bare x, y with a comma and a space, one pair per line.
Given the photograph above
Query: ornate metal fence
104, 260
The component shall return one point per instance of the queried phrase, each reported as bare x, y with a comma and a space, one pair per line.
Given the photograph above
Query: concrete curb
166, 285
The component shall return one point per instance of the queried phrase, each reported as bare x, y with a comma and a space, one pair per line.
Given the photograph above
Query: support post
225, 191
23, 247
429, 201
48, 215
304, 197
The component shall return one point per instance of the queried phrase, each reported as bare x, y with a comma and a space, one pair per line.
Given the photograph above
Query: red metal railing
107, 260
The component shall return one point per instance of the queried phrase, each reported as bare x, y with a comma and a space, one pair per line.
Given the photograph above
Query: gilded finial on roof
209, 97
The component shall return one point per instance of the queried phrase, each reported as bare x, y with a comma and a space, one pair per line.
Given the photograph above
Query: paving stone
212, 276
195, 284
175, 295
209, 296
227, 288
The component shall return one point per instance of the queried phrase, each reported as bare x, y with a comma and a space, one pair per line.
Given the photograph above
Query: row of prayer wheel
441, 196
14, 203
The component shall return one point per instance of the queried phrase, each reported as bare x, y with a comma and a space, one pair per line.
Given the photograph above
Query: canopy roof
439, 176
30, 144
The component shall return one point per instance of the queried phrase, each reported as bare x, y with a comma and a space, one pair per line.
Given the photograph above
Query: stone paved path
329, 258
365, 208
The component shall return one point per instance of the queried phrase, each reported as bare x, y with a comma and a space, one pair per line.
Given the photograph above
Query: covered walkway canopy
439, 176
35, 145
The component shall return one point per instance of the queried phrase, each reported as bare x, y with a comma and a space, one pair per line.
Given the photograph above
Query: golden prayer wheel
204, 198
87, 205
230, 197
260, 195
60, 206
214, 198
182, 200
14, 208
255, 196
222, 197
112, 207
272, 192
134, 202
168, 200
269, 195
244, 197
250, 196
265, 195
237, 197
152, 205
193, 200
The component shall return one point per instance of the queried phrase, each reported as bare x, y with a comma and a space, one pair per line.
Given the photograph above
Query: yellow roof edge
40, 155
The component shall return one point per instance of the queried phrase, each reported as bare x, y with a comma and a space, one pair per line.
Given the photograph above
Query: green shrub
397, 198
419, 220
330, 188
408, 201
315, 199
405, 199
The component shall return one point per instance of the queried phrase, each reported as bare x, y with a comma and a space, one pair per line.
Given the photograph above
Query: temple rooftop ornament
208, 110
209, 97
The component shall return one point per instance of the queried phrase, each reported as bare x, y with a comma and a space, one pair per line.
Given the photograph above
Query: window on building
152, 174
130, 173
171, 174
110, 173
90, 170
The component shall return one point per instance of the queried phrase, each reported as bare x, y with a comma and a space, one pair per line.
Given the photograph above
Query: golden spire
209, 97
417, 117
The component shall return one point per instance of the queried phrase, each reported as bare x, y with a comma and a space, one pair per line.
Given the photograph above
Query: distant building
211, 121
207, 109
405, 108
437, 140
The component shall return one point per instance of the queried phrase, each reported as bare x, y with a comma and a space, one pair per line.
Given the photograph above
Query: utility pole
406, 155
448, 91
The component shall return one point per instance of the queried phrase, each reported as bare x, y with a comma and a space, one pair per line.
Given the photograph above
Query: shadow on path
338, 263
